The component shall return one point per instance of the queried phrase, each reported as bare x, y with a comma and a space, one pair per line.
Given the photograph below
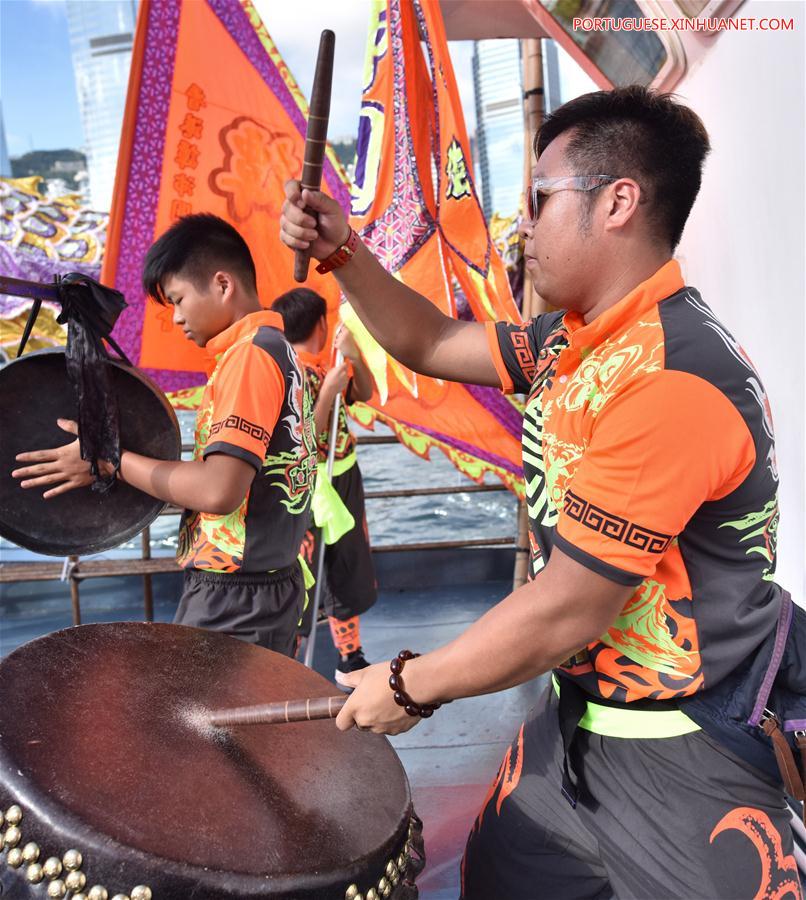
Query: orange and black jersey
257, 407
345, 442
649, 458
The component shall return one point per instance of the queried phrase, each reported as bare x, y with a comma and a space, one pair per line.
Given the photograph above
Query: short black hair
301, 310
196, 247
633, 132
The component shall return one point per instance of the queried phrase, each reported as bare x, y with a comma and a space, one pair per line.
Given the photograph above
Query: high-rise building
5, 163
498, 83
101, 35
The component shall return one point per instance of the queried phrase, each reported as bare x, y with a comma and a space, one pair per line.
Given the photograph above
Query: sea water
398, 520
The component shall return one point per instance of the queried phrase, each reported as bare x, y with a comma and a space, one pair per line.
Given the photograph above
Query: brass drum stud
372, 894
141, 892
57, 889
351, 893
401, 862
75, 881
52, 867
384, 887
34, 873
2, 818
14, 815
14, 858
98, 892
121, 897
79, 897
73, 860
12, 836
2, 841
30, 852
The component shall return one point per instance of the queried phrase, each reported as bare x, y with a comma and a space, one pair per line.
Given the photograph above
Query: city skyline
498, 82
101, 73
54, 121
101, 36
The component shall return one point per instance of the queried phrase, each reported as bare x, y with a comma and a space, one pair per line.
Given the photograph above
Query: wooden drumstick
316, 135
278, 713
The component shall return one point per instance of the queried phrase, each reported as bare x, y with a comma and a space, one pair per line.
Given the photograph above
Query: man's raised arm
406, 324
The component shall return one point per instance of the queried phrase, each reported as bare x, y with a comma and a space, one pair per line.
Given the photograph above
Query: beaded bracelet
424, 710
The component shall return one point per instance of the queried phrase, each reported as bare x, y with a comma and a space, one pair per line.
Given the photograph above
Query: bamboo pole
148, 589
75, 597
533, 113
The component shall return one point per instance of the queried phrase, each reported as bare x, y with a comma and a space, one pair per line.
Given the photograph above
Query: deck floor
450, 759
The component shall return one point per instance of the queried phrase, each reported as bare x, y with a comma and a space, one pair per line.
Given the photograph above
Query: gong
34, 392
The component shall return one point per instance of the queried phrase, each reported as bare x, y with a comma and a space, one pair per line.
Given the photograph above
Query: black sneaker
351, 663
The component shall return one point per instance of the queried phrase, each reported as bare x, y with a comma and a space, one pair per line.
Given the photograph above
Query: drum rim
61, 822
25, 541
176, 875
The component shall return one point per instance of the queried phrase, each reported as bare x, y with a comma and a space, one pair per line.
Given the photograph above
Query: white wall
744, 245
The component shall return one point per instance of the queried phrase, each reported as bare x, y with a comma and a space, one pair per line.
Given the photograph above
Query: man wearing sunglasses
651, 487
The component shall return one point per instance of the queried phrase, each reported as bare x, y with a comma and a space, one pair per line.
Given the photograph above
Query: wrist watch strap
341, 255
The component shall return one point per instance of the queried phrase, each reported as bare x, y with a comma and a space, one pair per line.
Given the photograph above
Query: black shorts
262, 609
659, 817
352, 587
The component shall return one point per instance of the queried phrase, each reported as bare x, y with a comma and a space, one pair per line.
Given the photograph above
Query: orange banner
198, 137
415, 205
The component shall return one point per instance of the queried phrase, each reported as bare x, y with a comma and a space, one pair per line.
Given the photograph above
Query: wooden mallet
278, 713
316, 136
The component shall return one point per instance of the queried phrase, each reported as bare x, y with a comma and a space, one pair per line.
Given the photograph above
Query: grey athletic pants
662, 817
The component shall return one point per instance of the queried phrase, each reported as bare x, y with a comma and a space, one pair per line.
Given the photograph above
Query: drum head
104, 745
34, 392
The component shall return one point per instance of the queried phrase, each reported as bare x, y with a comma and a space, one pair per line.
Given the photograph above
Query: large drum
34, 392
105, 750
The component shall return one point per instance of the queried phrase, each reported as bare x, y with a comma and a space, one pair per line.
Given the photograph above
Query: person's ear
624, 198
223, 285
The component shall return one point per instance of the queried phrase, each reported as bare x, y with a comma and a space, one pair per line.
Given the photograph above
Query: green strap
619, 722
307, 576
340, 466
329, 512
308, 581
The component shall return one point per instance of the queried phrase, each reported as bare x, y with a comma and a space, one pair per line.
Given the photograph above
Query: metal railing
73, 570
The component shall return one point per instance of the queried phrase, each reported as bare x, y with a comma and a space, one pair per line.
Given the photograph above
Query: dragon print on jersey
294, 471
539, 506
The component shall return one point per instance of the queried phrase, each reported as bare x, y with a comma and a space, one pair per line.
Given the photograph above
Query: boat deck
450, 759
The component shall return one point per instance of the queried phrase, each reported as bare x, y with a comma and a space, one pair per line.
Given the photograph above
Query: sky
40, 108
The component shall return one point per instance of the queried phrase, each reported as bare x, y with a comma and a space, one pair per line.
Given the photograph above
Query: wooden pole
148, 592
75, 598
533, 113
